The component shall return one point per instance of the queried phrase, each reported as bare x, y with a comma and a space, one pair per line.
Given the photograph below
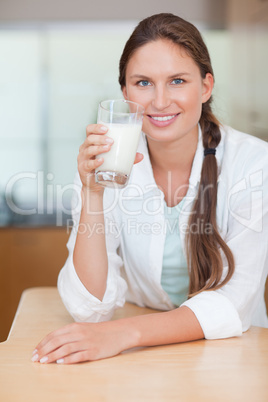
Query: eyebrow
144, 77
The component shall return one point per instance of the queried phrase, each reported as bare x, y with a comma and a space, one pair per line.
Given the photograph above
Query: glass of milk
124, 121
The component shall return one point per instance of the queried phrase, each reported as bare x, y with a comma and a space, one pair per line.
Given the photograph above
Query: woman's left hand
80, 342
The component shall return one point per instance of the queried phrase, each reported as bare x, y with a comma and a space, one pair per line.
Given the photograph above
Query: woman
197, 198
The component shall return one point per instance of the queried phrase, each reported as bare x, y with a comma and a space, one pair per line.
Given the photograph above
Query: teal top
175, 277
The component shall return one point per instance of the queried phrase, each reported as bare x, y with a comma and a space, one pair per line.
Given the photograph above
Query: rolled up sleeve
229, 311
216, 315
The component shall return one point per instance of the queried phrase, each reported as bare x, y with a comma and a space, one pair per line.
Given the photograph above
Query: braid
203, 249
209, 126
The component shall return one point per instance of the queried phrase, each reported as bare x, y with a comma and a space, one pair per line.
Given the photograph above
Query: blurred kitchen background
58, 59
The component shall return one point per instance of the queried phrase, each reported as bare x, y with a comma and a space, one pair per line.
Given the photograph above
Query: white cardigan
135, 237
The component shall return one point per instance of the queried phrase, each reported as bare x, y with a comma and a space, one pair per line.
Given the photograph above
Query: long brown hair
204, 248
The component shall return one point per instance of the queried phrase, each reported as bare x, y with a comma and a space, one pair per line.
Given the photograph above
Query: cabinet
30, 257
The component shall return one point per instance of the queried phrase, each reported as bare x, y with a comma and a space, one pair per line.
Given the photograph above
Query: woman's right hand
96, 143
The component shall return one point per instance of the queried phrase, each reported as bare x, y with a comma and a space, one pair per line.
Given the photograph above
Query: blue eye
143, 83
178, 81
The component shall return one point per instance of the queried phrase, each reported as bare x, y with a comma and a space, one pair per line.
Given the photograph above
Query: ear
208, 84
124, 91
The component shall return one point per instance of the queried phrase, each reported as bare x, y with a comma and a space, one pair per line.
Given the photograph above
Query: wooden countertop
234, 369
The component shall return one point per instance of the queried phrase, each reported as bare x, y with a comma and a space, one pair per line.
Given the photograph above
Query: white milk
121, 156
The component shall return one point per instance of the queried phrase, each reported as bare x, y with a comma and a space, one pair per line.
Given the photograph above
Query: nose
161, 98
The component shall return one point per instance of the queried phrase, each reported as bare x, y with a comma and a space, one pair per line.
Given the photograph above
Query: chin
161, 137
161, 134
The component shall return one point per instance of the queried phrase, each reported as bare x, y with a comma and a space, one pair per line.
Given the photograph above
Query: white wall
208, 12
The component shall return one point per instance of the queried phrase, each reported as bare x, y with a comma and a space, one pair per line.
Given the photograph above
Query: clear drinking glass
124, 121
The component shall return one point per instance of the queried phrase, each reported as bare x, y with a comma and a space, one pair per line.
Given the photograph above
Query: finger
53, 344
89, 166
58, 333
77, 357
138, 158
96, 128
63, 352
95, 140
96, 150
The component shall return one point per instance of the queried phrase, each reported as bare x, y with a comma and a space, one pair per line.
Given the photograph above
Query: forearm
175, 326
90, 255
106, 339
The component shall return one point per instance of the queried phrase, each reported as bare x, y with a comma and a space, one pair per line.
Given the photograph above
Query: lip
164, 123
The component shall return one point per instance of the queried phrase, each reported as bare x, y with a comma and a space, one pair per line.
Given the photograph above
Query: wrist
131, 336
91, 201
88, 192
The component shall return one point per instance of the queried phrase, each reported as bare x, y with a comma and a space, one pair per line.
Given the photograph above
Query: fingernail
34, 352
103, 128
44, 359
35, 358
60, 361
109, 140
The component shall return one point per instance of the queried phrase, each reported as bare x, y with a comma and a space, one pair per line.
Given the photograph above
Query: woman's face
162, 78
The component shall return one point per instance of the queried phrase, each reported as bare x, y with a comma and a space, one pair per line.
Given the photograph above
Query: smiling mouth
163, 118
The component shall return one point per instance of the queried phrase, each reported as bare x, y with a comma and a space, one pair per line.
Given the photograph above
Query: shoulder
242, 151
238, 142
243, 167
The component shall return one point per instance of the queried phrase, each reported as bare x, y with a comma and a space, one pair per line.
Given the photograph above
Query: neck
177, 155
